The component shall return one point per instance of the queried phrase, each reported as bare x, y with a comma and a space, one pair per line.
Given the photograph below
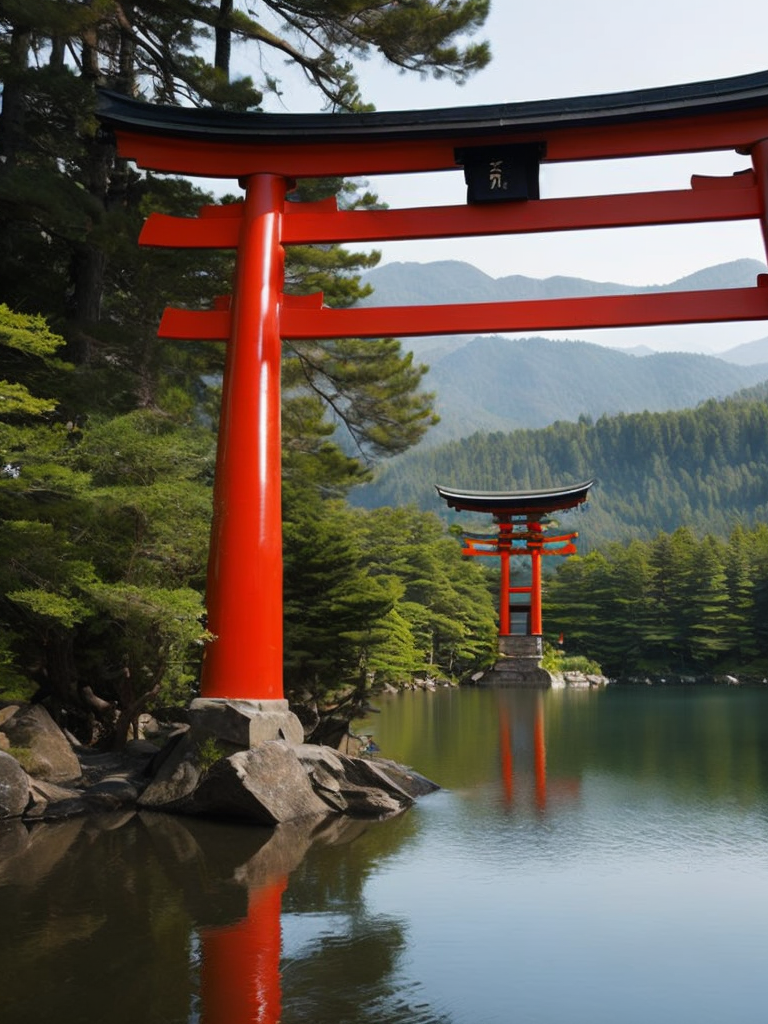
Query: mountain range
497, 383
408, 284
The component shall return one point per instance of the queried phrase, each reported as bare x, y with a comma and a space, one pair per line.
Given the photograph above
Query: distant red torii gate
500, 147
521, 517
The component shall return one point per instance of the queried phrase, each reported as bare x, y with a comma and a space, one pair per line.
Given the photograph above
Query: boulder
42, 794
352, 785
14, 787
413, 783
40, 746
265, 784
178, 774
244, 723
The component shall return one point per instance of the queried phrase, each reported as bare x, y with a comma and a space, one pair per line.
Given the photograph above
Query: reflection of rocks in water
117, 920
341, 939
98, 927
27, 856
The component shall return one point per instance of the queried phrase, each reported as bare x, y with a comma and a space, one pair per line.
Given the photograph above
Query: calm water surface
592, 857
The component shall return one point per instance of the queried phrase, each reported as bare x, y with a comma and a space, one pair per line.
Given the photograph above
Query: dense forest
107, 436
680, 603
705, 467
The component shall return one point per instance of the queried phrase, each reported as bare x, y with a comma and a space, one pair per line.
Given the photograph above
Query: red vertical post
504, 545
534, 548
240, 970
245, 571
759, 155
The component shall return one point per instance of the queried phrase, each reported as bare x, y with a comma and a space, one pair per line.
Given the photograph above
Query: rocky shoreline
686, 679
46, 776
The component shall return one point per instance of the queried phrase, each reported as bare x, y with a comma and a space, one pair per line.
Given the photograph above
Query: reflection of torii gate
500, 148
525, 710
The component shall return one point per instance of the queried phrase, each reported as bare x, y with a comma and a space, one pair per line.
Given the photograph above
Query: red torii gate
521, 516
500, 148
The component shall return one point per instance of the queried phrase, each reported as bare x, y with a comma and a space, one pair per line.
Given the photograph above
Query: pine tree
106, 500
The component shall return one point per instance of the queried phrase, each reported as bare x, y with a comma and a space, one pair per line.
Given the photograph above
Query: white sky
562, 49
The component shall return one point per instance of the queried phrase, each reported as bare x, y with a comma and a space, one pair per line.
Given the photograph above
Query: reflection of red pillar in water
540, 758
505, 743
240, 972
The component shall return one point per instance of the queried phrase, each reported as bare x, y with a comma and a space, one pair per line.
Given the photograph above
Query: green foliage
103, 545
208, 753
106, 462
375, 598
676, 603
555, 660
705, 467
28, 348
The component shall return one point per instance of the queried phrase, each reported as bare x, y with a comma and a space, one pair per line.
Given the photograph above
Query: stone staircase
519, 664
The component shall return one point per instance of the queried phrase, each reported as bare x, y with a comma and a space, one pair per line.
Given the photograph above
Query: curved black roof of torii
539, 502
718, 96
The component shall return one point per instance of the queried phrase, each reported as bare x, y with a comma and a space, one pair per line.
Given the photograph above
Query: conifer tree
108, 497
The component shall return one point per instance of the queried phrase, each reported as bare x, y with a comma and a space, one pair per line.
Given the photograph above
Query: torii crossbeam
500, 148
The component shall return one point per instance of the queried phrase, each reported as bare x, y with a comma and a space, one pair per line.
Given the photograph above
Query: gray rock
122, 790
266, 785
8, 712
176, 779
60, 810
245, 723
352, 785
413, 783
46, 752
42, 794
14, 787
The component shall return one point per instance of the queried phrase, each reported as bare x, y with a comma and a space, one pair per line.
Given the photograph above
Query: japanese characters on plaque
501, 174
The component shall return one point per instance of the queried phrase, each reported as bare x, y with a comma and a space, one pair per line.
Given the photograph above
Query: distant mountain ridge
496, 383
501, 384
407, 284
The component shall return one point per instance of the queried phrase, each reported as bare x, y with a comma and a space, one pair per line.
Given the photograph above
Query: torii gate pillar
245, 568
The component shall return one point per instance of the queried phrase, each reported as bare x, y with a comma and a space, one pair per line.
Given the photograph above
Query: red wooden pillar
240, 970
534, 548
759, 155
504, 551
245, 571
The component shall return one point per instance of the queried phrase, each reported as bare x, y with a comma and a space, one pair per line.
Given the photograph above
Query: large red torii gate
500, 147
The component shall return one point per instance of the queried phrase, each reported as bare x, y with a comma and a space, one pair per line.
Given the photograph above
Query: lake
593, 856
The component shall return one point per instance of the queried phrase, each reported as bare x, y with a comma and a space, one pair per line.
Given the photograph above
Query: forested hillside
706, 467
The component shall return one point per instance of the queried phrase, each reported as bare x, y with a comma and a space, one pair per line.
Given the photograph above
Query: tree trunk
223, 52
12, 114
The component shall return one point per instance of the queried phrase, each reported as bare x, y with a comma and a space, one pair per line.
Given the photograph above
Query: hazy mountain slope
407, 284
748, 354
499, 384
